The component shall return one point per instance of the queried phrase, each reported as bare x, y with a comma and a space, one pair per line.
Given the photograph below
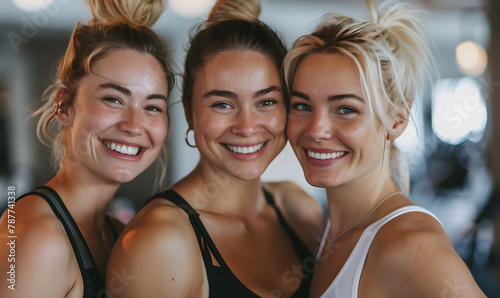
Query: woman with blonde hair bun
220, 231
105, 117
352, 84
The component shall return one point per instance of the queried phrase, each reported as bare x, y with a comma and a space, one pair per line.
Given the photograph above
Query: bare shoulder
420, 260
302, 212
159, 253
156, 224
42, 251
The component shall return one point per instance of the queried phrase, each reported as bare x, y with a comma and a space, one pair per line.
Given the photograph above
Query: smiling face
330, 127
238, 113
117, 122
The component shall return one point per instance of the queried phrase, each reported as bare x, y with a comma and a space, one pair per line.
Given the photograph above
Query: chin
122, 177
248, 175
318, 181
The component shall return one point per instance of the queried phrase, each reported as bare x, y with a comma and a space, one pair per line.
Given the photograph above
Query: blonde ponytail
135, 12
400, 172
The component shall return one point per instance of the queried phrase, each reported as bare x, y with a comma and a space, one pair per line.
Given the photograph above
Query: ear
399, 122
63, 111
188, 113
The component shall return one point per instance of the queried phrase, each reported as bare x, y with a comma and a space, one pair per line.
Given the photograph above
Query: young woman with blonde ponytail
106, 118
352, 84
221, 232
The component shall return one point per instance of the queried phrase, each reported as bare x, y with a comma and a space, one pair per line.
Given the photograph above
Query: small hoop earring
186, 138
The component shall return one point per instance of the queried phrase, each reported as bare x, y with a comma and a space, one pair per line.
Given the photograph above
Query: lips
122, 148
245, 150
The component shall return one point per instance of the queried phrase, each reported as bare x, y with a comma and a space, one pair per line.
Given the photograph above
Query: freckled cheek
158, 130
277, 126
92, 125
295, 129
103, 118
211, 128
275, 123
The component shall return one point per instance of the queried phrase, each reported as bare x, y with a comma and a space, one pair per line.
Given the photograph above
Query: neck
87, 197
216, 191
350, 202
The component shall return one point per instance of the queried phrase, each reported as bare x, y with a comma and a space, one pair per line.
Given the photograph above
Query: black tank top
93, 285
221, 280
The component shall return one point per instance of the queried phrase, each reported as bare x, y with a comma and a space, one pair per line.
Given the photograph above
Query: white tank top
346, 284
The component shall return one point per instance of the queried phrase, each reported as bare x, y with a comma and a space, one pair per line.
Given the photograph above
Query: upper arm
421, 262
40, 259
303, 213
157, 255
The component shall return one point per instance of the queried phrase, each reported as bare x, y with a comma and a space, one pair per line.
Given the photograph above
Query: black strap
112, 226
205, 240
202, 235
299, 246
88, 268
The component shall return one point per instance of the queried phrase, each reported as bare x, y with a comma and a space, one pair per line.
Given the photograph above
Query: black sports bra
222, 282
93, 285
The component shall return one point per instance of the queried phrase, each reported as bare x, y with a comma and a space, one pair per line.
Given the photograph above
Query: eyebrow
128, 92
266, 91
232, 95
330, 98
301, 95
342, 96
116, 87
220, 93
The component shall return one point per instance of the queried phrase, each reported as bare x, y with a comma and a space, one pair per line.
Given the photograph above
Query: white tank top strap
346, 283
406, 209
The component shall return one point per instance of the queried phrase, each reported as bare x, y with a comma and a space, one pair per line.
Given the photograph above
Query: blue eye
301, 107
154, 109
268, 103
346, 110
111, 99
221, 105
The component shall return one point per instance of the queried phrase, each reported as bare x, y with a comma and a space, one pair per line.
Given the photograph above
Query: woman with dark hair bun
106, 119
221, 232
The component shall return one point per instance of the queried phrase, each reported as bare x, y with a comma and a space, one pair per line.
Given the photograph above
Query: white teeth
324, 156
245, 150
129, 150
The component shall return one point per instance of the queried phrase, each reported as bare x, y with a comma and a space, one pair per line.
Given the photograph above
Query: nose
319, 126
131, 122
247, 123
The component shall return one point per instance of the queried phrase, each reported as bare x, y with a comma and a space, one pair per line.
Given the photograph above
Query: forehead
332, 70
238, 68
130, 69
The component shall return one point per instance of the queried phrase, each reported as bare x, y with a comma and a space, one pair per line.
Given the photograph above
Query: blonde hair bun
135, 12
248, 10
